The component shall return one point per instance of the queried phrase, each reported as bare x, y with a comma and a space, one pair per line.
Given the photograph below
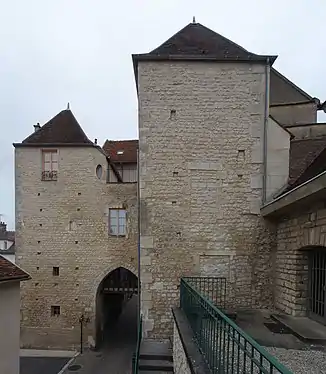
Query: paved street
115, 357
42, 365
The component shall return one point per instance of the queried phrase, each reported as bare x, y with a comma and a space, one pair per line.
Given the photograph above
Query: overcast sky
79, 51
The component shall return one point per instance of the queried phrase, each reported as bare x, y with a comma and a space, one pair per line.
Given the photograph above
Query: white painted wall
9, 327
278, 156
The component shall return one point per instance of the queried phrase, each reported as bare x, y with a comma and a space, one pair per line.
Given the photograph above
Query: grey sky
80, 51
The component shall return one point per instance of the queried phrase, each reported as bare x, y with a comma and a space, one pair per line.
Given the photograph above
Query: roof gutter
304, 190
266, 116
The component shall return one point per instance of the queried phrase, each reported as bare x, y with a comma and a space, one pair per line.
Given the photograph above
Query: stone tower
203, 111
66, 191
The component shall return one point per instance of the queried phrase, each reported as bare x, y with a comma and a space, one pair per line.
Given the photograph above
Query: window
49, 165
128, 172
55, 310
117, 222
55, 271
99, 171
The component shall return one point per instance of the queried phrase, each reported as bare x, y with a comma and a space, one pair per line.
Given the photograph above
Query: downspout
266, 115
138, 229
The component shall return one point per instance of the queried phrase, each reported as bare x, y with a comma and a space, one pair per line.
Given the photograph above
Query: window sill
117, 236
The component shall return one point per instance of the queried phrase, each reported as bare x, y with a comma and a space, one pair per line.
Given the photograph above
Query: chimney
37, 127
95, 141
3, 227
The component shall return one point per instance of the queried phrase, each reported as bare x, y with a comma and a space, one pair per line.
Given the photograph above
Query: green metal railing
225, 347
212, 288
135, 358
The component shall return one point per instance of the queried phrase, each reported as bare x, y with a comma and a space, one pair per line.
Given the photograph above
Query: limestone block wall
64, 224
201, 133
297, 234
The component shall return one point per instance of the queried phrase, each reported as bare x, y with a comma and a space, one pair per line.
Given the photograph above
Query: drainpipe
138, 249
266, 115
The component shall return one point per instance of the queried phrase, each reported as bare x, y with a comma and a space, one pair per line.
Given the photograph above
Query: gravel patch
300, 361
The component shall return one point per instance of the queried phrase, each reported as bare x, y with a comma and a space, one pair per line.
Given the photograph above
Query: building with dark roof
228, 146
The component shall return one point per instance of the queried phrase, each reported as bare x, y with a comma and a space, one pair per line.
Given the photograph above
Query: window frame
55, 310
117, 210
50, 173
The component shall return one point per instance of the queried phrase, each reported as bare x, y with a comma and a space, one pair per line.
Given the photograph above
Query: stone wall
201, 133
297, 234
180, 363
64, 223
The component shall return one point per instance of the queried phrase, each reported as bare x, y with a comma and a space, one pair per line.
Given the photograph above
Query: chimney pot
95, 141
37, 127
3, 227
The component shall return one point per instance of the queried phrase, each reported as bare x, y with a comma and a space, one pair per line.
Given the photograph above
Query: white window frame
117, 222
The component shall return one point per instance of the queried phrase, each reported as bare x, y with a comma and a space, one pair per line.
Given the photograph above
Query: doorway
116, 307
317, 285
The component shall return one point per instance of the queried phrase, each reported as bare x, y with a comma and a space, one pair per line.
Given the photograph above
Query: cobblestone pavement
42, 365
115, 357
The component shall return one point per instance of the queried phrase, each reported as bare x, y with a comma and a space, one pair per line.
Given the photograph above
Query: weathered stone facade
64, 224
201, 166
298, 234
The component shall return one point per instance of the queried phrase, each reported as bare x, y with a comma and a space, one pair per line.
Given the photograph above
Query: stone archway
114, 292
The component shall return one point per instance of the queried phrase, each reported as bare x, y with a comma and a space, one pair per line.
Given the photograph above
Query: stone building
215, 144
75, 225
224, 140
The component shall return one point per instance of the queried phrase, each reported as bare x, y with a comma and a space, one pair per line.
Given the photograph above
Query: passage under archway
116, 307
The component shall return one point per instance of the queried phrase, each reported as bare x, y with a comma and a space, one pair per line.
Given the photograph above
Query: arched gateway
113, 293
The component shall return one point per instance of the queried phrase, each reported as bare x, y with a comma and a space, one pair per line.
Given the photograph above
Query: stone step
156, 350
153, 356
156, 365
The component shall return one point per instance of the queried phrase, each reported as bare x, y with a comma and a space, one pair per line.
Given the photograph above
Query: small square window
117, 222
55, 271
55, 310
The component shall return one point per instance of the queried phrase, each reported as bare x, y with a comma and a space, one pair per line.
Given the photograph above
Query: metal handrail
135, 358
225, 346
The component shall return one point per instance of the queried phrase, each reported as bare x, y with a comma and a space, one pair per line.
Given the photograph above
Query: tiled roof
282, 90
302, 155
10, 271
61, 129
197, 42
121, 150
317, 166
